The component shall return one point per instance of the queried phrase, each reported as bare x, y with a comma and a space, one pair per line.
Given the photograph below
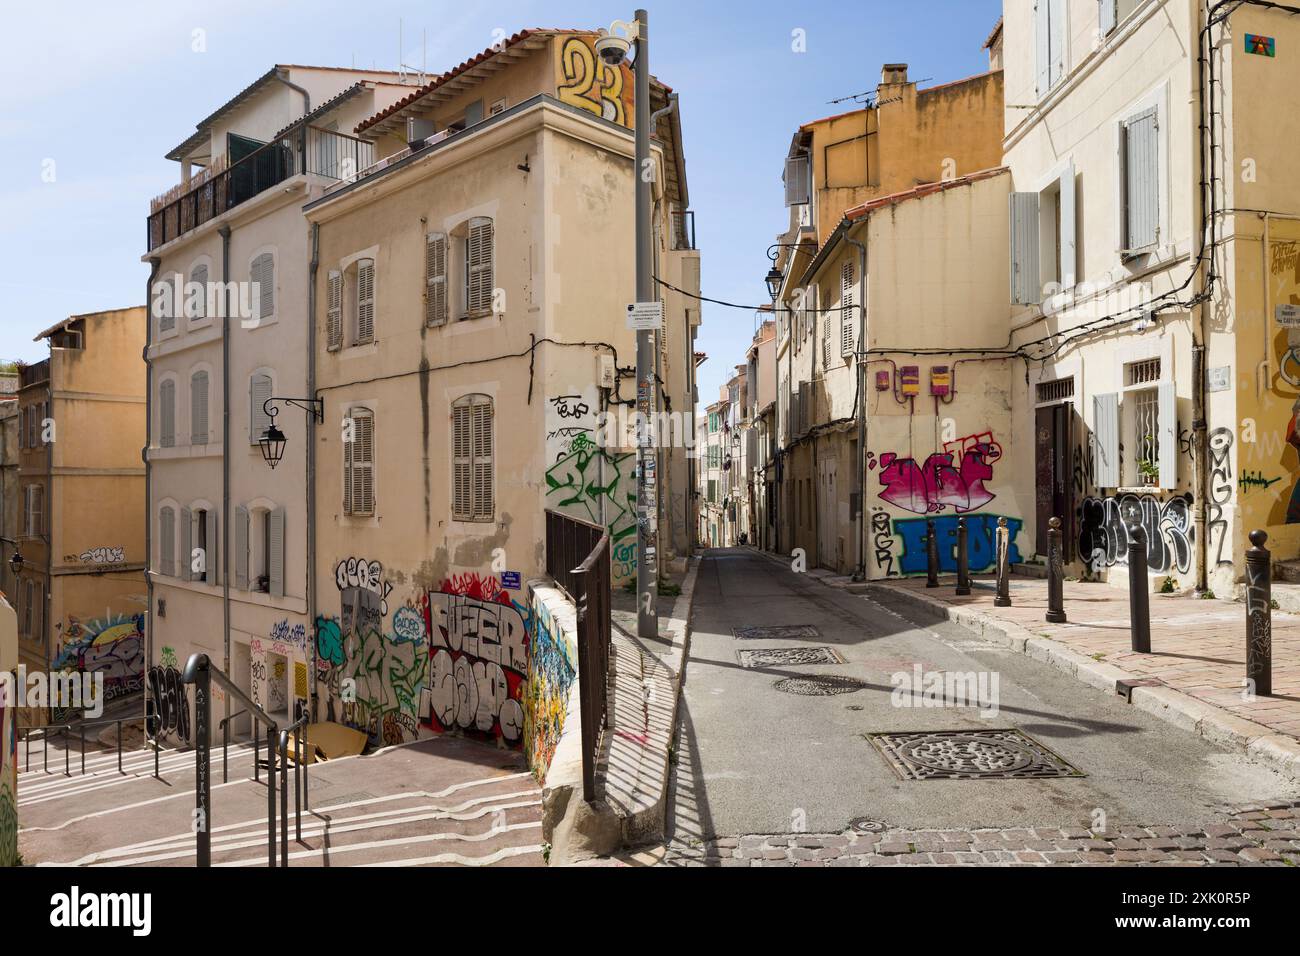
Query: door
827, 506
1053, 491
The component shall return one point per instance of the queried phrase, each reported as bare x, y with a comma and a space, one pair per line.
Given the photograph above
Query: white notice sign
1288, 316
644, 315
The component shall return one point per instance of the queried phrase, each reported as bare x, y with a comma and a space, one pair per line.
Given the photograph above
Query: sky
94, 95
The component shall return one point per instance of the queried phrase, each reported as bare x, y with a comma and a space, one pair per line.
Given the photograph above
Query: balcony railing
683, 222
34, 374
307, 149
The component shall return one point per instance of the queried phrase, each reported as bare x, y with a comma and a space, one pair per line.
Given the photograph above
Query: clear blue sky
105, 89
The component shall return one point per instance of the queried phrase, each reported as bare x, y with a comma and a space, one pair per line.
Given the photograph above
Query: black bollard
1003, 598
1055, 574
1139, 596
963, 559
1259, 615
931, 555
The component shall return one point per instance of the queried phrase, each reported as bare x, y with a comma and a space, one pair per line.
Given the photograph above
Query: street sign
1288, 316
510, 580
644, 316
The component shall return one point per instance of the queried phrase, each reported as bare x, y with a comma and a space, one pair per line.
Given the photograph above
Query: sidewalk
1193, 676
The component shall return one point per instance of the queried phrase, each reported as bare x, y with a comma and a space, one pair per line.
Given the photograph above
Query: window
478, 267
199, 408
1050, 36
262, 274
1057, 390
198, 308
164, 302
472, 480
798, 175
1111, 12
259, 390
34, 511
334, 312
713, 491
1043, 240
167, 542
1140, 181
259, 550
29, 600
435, 279
199, 537
1143, 418
359, 464
167, 412
848, 310
363, 329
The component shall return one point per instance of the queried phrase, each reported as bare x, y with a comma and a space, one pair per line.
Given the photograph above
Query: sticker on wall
1260, 45
1218, 379
940, 380
510, 580
1287, 315
909, 377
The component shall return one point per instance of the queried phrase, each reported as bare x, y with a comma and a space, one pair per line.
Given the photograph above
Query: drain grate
777, 632
970, 755
864, 825
787, 656
819, 685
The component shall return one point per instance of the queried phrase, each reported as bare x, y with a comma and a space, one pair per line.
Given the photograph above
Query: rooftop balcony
307, 149
34, 374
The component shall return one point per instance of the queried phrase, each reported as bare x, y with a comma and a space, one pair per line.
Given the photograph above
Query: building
473, 361
230, 329
10, 493
716, 442
761, 372
81, 423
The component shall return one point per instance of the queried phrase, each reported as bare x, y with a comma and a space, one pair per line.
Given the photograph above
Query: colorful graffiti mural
981, 542
113, 646
385, 672
586, 82
551, 671
1104, 538
953, 478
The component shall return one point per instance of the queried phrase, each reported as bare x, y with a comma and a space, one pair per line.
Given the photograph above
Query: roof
60, 326
329, 104
997, 30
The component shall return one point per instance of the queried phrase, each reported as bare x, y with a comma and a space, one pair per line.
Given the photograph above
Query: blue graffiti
981, 542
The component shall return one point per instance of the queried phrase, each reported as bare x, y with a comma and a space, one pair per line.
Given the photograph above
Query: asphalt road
752, 759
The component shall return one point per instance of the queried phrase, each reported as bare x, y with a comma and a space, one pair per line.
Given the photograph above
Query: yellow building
80, 593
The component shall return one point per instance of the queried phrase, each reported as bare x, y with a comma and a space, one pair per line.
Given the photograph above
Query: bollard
963, 559
1259, 615
1139, 597
1003, 598
931, 555
1055, 574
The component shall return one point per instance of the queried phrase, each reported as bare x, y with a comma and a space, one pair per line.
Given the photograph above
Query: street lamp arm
313, 406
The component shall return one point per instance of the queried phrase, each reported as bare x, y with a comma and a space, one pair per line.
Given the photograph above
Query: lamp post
273, 440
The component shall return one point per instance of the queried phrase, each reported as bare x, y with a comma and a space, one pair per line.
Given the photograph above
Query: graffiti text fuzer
981, 542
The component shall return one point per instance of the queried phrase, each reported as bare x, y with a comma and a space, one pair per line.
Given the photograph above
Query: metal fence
568, 542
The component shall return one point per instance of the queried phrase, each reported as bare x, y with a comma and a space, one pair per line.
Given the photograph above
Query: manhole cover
819, 685
970, 755
787, 656
777, 632
863, 825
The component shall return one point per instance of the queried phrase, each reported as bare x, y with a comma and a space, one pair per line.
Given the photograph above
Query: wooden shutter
167, 413
199, 408
1069, 257
166, 308
358, 464
241, 547
365, 330
263, 273
200, 276
1042, 48
1056, 40
1167, 430
481, 418
275, 553
478, 266
1141, 181
259, 390
462, 505
167, 542
187, 544
797, 186
827, 339
848, 312
212, 557
1107, 15
1105, 438
1024, 248
435, 279
334, 312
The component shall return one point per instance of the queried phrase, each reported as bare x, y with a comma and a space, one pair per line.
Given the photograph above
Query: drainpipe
155, 263
306, 97
860, 466
1200, 433
47, 516
311, 455
224, 232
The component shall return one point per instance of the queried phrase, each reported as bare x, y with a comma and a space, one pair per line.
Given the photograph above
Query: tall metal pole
647, 504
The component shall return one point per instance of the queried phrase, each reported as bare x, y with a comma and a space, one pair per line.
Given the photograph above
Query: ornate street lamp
774, 275
273, 440
16, 562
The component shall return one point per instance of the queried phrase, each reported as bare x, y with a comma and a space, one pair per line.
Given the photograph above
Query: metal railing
47, 731
683, 223
568, 542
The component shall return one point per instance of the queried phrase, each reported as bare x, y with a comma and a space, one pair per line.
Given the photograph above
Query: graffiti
113, 646
299, 681
550, 675
588, 480
387, 674
883, 542
360, 573
167, 657
952, 478
570, 406
103, 556
329, 661
586, 82
171, 703
282, 632
478, 659
1220, 492
8, 825
981, 542
1255, 479
1104, 539
1259, 617
408, 625
1186, 443
1084, 464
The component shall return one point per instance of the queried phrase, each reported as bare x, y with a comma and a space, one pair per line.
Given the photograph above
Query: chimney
892, 74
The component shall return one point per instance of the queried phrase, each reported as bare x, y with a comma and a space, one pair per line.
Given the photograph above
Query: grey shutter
263, 273
797, 186
349, 453
1106, 15
848, 314
275, 555
478, 280
1069, 256
481, 419
1141, 181
1024, 248
435, 279
200, 276
1042, 48
462, 462
166, 308
1056, 27
1105, 437
213, 557
187, 544
241, 547
259, 390
334, 312
167, 413
167, 542
827, 339
199, 408
1167, 429
365, 330
473, 113
365, 464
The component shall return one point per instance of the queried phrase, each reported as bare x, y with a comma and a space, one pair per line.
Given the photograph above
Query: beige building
81, 421
470, 335
10, 493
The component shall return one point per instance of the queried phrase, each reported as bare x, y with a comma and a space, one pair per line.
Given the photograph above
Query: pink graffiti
940, 483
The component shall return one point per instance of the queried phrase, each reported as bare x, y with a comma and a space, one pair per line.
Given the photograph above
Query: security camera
612, 49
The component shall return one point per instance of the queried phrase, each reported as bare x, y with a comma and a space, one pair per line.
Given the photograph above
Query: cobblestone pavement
1251, 836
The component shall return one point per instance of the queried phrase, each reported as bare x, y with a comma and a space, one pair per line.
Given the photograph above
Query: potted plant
1148, 472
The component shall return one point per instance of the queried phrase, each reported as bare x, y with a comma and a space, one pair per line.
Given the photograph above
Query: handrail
67, 728
201, 660
299, 783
